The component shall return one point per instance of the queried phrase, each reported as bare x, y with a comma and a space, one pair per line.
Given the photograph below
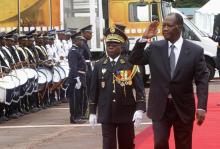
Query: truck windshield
166, 8
139, 12
189, 23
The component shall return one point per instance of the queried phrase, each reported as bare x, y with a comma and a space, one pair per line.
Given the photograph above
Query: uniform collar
115, 59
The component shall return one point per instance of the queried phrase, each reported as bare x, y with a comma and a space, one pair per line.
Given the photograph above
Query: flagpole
19, 17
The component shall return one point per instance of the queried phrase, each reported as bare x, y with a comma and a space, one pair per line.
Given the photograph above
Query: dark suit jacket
76, 63
122, 109
190, 67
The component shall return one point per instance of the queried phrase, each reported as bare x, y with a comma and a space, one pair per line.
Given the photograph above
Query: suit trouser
218, 60
182, 131
121, 133
75, 101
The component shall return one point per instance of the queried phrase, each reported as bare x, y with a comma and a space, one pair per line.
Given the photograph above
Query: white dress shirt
115, 59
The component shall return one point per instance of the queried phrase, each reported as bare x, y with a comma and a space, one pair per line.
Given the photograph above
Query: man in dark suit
175, 64
76, 79
113, 80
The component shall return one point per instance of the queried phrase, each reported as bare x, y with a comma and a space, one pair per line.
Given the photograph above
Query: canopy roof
211, 7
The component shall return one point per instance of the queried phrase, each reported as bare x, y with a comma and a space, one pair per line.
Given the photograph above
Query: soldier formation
34, 70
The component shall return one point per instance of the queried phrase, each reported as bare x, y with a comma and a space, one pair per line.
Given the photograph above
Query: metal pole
101, 23
61, 14
19, 17
50, 13
93, 23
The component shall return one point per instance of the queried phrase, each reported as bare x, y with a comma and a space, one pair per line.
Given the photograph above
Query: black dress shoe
64, 100
5, 118
20, 114
13, 116
80, 121
2, 120
84, 118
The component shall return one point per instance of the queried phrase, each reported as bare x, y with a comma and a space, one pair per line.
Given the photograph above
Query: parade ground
50, 129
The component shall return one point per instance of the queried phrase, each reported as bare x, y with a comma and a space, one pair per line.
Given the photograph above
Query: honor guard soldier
76, 79
112, 83
68, 35
62, 50
59, 45
87, 35
3, 66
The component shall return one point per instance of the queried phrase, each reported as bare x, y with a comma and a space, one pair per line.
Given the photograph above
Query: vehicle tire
211, 71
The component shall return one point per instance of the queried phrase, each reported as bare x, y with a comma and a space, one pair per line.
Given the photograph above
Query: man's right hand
78, 83
151, 31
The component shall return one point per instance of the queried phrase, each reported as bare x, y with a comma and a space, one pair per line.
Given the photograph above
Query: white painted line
57, 126
59, 108
46, 126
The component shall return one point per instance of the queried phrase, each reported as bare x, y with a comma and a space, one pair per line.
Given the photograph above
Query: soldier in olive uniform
112, 84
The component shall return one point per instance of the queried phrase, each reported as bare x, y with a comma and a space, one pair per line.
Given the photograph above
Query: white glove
210, 35
92, 120
137, 118
78, 83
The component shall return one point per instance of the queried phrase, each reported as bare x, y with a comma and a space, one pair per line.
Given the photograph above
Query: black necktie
172, 60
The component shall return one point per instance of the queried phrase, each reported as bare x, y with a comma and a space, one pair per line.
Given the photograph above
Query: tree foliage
189, 3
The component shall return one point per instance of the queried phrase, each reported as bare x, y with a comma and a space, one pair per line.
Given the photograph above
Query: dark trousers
75, 101
182, 131
2, 106
121, 133
218, 60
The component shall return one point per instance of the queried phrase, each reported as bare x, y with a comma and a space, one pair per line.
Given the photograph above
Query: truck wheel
211, 71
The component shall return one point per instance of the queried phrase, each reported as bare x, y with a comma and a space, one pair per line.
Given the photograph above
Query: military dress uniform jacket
77, 66
120, 106
87, 55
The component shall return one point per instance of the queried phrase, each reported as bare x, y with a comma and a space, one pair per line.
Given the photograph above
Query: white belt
82, 72
88, 61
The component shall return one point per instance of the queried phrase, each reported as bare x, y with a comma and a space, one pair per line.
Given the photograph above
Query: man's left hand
200, 116
137, 118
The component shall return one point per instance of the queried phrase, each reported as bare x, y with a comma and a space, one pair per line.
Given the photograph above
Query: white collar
177, 44
115, 59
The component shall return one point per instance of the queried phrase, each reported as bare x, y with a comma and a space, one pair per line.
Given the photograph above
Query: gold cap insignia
112, 30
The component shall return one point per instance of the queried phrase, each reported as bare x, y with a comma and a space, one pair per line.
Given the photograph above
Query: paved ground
50, 129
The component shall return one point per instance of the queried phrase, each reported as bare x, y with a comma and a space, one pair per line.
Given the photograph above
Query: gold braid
128, 80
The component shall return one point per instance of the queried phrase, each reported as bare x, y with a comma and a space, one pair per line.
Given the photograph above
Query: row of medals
123, 81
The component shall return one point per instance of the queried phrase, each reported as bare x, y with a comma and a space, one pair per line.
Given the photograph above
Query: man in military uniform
76, 79
125, 47
112, 83
87, 35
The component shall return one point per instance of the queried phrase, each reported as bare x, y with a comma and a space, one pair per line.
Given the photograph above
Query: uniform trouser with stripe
75, 97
